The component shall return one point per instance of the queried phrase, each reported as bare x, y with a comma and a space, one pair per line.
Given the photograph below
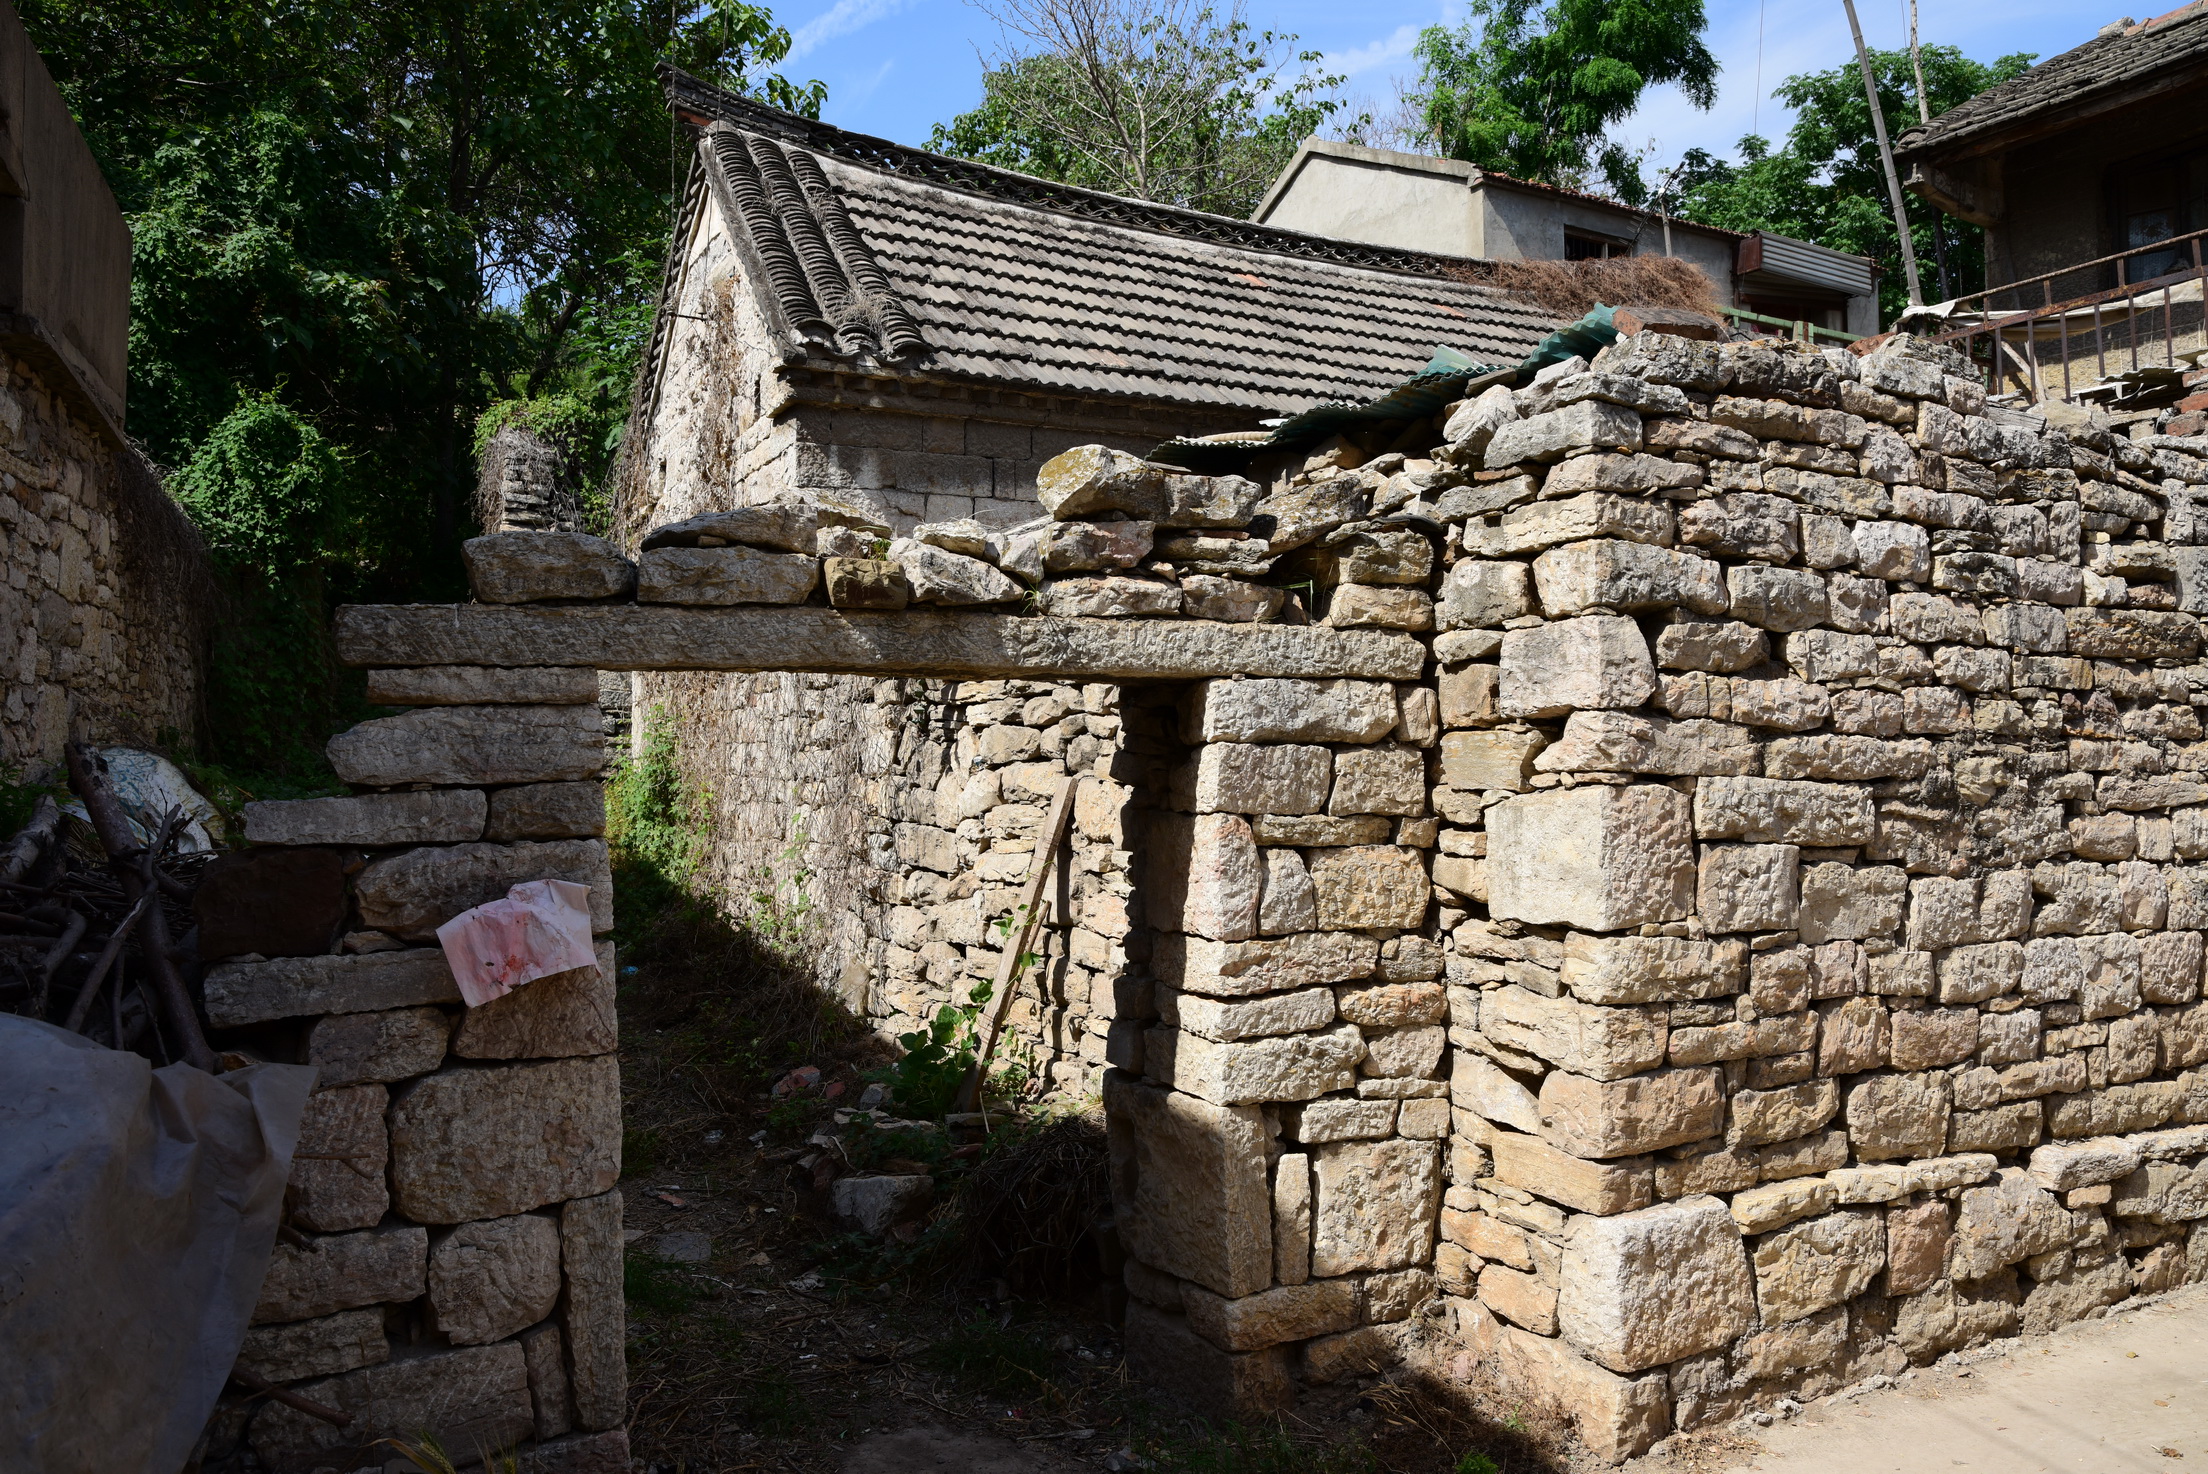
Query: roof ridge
700, 103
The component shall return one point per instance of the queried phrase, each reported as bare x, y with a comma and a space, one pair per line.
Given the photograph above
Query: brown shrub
1572, 288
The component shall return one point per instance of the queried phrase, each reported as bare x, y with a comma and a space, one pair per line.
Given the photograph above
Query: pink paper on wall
540, 928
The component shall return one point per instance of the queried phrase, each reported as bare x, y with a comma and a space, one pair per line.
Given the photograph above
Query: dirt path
2126, 1393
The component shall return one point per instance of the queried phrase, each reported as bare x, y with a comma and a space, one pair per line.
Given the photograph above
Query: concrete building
1421, 203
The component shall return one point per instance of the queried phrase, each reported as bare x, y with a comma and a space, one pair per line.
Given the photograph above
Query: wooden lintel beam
831, 641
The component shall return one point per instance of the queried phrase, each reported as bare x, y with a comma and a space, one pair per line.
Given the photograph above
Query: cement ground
2129, 1392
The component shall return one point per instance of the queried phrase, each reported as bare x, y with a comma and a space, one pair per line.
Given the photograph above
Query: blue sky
896, 67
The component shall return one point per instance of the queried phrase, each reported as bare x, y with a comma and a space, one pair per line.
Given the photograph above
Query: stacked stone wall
455, 1261
105, 590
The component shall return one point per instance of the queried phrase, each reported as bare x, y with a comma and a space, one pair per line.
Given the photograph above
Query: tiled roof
864, 252
2176, 39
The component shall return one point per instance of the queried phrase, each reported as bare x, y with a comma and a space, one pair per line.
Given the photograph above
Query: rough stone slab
546, 811
1375, 1205
448, 816
518, 567
596, 1316
337, 1170
364, 1048
341, 1271
470, 1397
485, 1142
1262, 965
1190, 1185
1290, 711
1776, 811
566, 1014
1165, 1353
720, 576
1816, 1265
1652, 969
1626, 1118
782, 526
546, 1351
1590, 1187
1598, 857
1249, 1018
1641, 1289
476, 685
316, 1348
968, 646
1287, 1067
1205, 875
472, 744
488, 1280
1271, 1317
294, 987
1261, 778
410, 895
1363, 886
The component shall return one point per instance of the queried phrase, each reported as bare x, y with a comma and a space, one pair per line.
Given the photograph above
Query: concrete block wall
457, 1264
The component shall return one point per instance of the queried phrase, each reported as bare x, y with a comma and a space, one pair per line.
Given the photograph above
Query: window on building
2157, 200
1580, 246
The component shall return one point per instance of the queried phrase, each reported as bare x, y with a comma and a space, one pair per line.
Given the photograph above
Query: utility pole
1886, 156
1924, 115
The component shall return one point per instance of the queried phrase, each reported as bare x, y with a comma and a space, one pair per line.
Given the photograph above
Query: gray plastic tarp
137, 1211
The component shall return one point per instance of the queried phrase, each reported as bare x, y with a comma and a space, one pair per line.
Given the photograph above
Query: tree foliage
1826, 184
1532, 91
360, 226
1161, 100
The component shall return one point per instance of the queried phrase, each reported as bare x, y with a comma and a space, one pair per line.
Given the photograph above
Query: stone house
104, 583
910, 336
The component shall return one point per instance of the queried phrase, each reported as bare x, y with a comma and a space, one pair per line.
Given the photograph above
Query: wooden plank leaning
1024, 922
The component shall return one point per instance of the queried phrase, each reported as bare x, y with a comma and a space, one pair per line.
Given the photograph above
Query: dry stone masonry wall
457, 1267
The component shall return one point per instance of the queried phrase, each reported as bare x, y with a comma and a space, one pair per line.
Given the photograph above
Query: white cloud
1394, 47
841, 19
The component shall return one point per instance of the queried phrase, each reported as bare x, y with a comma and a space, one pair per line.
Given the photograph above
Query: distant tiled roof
865, 252
2178, 39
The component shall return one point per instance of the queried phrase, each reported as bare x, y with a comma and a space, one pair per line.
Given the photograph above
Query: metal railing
1807, 332
2118, 321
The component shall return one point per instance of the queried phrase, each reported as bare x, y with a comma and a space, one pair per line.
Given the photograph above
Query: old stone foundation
1704, 913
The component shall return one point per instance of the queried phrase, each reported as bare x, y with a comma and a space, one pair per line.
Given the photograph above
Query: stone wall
458, 1265
105, 591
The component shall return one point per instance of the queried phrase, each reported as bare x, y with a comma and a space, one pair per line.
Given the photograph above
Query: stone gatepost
460, 1271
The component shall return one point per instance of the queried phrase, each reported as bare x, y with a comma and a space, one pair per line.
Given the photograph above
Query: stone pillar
454, 1170
523, 484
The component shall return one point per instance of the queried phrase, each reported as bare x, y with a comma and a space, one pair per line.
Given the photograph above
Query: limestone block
1598, 857
1925, 1039
1781, 1114
1777, 599
1271, 1317
1605, 1043
435, 817
337, 1169
1394, 1005
488, 1280
785, 526
1588, 425
1845, 902
1816, 1265
472, 744
1624, 1118
1554, 520
1616, 574
360, 1048
1292, 1218
1361, 886
341, 1271
1251, 778
293, 987
520, 567
1472, 761
1291, 1067
1718, 645
1593, 661
1261, 1017
1853, 1035
1092, 478
1776, 1204
1190, 1186
1621, 742
412, 893
568, 1013
1774, 811
546, 811
1406, 1053
1344, 1120
2005, 1224
1209, 501
468, 1397
956, 580
316, 1348
1205, 596
1898, 1116
483, 1142
1206, 874
1286, 902
478, 685
1640, 1289
1078, 547
723, 576
1374, 1205
1847, 758
595, 1318
1652, 969
1265, 965
1379, 780
2007, 1129
1917, 1236
1319, 831
1485, 1088
1480, 593
1164, 1352
864, 583
1275, 710
1530, 1163
1749, 887
1112, 596
1357, 606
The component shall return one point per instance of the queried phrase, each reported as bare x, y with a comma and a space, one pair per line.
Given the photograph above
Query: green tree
1827, 184
1157, 99
1531, 91
379, 220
